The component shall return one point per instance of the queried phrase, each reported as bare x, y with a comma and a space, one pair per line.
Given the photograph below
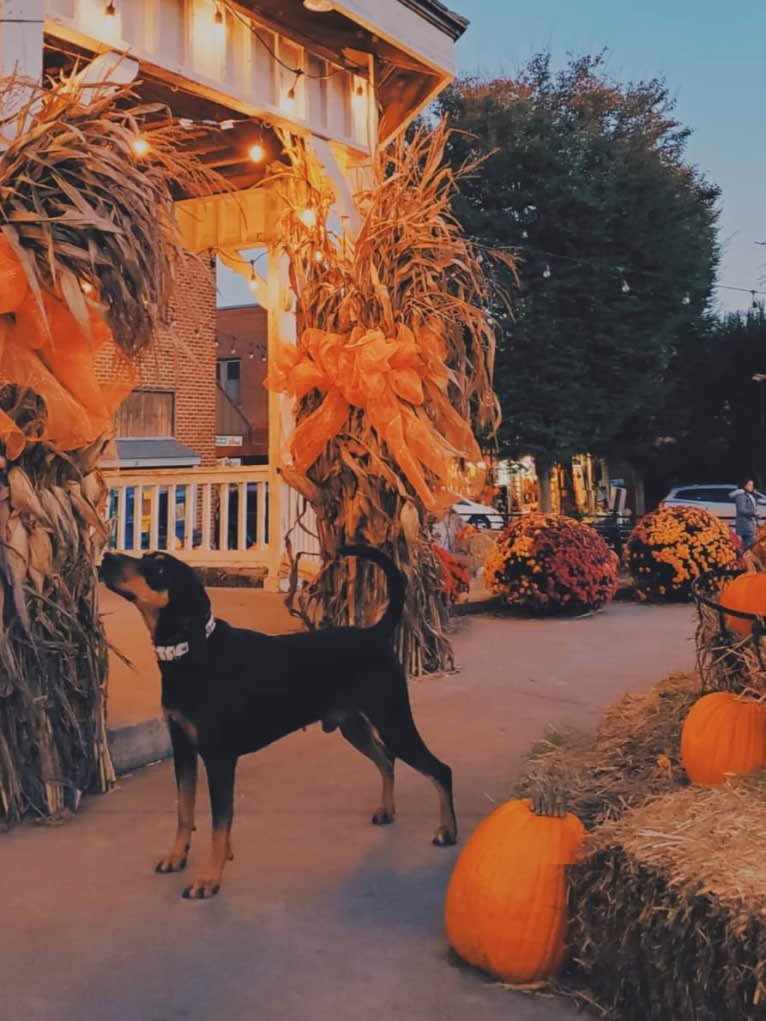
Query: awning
159, 453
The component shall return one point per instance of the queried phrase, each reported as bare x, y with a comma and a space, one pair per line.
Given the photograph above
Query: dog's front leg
220, 778
185, 762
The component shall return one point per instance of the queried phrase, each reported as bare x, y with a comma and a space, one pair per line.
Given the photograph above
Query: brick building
170, 418
242, 411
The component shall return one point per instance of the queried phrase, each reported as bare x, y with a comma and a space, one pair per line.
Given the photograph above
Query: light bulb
308, 217
140, 146
318, 256
686, 300
110, 10
256, 152
86, 286
625, 287
547, 272
218, 18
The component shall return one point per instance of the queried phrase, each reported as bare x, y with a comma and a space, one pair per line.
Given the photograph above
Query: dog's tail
395, 581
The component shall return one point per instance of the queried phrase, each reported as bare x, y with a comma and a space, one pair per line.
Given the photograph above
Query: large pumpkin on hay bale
506, 908
747, 594
723, 734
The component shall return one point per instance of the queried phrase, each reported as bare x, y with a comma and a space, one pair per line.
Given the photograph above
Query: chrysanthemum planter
672, 546
546, 564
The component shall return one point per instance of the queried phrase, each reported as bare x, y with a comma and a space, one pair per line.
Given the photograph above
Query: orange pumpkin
13, 279
506, 908
723, 733
746, 593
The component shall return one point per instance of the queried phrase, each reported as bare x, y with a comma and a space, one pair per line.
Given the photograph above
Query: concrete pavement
321, 914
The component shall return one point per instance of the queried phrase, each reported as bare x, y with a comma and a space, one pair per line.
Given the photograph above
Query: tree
713, 423
585, 180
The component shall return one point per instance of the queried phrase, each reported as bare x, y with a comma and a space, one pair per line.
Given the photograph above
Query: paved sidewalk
322, 916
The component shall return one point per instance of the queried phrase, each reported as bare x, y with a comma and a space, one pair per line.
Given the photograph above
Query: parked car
717, 497
478, 514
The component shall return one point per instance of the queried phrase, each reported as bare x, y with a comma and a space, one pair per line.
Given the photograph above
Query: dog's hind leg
403, 741
220, 777
358, 732
185, 763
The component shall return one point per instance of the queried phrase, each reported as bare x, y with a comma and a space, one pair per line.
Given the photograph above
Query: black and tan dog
228, 691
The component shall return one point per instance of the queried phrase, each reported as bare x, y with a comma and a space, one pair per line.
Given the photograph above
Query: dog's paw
174, 861
444, 837
382, 819
203, 888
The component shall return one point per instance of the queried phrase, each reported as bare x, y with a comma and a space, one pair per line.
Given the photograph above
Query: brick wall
182, 358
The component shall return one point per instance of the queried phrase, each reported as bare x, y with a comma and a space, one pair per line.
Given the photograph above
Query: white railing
212, 517
216, 516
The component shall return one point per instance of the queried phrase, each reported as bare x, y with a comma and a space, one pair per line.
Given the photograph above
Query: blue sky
710, 53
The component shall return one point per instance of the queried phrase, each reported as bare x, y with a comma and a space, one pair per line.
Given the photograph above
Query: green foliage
713, 424
587, 180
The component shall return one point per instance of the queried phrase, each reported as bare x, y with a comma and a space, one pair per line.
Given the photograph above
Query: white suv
718, 498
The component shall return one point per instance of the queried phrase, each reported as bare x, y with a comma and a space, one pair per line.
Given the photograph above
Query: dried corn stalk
80, 214
410, 273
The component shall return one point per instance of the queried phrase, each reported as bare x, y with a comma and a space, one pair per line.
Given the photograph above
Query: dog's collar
170, 653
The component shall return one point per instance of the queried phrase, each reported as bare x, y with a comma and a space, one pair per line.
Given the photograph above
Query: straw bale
669, 907
634, 755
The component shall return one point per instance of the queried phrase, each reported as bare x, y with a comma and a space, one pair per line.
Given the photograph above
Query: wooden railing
210, 516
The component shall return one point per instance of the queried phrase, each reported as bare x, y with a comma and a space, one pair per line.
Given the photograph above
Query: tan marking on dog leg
446, 834
184, 723
176, 858
208, 882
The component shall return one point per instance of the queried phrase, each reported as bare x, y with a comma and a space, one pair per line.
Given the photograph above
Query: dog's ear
189, 603
155, 572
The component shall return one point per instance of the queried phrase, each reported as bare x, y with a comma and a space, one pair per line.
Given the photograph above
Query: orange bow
51, 355
400, 383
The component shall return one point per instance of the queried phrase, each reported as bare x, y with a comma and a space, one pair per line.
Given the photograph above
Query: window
229, 377
147, 413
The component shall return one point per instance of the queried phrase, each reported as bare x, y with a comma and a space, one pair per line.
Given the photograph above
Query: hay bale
634, 755
669, 908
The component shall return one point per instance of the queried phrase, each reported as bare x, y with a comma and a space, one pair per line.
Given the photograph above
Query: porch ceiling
225, 151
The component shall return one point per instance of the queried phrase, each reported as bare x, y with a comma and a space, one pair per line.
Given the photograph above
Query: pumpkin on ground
746, 593
723, 733
506, 907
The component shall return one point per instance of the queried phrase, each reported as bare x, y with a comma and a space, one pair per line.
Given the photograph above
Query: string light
318, 256
256, 153
86, 286
686, 300
140, 146
625, 286
253, 281
308, 217
547, 272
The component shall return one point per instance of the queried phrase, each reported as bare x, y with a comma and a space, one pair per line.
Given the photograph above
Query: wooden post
282, 328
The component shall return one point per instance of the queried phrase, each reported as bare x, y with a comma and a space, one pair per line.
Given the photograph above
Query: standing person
746, 523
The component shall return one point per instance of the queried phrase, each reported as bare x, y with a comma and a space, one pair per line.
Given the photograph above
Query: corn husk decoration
391, 374
87, 249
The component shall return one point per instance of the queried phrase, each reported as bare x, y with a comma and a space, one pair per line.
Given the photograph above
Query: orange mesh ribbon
401, 384
46, 351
